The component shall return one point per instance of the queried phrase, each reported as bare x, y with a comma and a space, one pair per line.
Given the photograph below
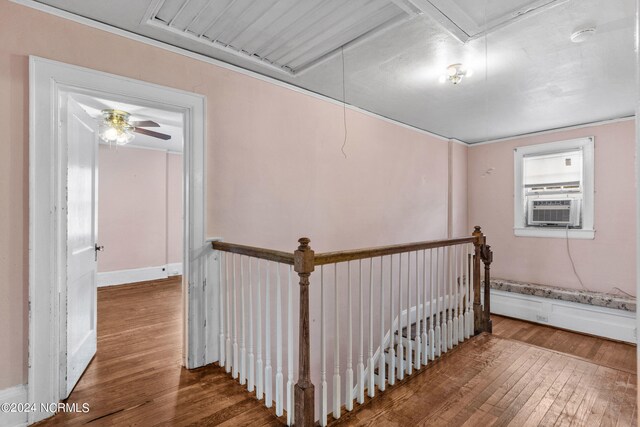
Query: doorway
50, 82
124, 225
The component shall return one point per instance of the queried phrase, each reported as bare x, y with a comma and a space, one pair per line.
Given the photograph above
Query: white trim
637, 169
15, 394
589, 319
587, 145
140, 147
554, 233
174, 269
556, 130
46, 208
180, 51
134, 275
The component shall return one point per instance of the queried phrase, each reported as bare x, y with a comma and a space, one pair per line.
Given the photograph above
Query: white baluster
392, 352
461, 287
441, 324
348, 388
432, 310
472, 327
371, 363
409, 361
290, 380
360, 373
381, 362
268, 389
323, 355
228, 289
454, 283
243, 327
279, 377
449, 299
443, 313
337, 403
259, 368
400, 351
222, 351
252, 366
426, 293
467, 329
418, 340
236, 364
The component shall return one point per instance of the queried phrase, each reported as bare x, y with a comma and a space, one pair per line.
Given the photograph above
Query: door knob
99, 248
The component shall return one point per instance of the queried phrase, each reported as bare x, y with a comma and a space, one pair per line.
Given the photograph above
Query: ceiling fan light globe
109, 134
125, 138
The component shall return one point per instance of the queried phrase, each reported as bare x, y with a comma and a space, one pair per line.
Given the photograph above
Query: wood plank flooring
494, 381
617, 355
523, 375
136, 377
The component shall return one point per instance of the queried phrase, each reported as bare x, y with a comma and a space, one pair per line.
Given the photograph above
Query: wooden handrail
252, 251
304, 261
343, 256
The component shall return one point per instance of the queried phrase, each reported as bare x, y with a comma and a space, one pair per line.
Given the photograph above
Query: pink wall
275, 171
174, 208
603, 263
459, 196
139, 208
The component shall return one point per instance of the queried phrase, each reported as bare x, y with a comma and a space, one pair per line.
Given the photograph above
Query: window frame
587, 145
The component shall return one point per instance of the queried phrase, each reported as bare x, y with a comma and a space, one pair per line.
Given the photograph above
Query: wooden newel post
487, 259
478, 315
304, 392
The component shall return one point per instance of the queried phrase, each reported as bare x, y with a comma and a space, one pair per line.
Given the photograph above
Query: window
554, 189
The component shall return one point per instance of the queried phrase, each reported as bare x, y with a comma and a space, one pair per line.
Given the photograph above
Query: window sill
557, 233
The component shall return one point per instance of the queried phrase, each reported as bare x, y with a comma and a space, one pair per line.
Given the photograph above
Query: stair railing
414, 302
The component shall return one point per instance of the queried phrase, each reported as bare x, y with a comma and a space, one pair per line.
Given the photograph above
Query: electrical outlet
541, 318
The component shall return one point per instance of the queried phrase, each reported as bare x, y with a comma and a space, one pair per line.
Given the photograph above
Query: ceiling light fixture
455, 73
115, 127
583, 35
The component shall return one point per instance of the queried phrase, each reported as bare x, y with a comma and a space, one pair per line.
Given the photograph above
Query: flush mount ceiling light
116, 127
583, 35
455, 73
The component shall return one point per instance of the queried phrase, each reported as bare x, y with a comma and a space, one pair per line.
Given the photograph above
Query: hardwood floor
136, 377
523, 375
612, 354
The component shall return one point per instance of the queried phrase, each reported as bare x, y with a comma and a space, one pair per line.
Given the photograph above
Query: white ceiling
170, 122
528, 75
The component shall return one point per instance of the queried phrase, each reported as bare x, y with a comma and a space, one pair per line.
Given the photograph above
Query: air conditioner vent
556, 212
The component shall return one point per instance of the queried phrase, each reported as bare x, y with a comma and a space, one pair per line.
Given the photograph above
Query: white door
81, 296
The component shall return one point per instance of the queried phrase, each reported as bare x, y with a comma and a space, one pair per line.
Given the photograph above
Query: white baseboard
121, 277
174, 269
16, 394
589, 319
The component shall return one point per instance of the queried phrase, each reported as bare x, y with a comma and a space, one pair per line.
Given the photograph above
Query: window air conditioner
554, 212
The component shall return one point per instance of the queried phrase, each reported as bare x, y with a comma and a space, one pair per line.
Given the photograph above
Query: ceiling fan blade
145, 124
153, 134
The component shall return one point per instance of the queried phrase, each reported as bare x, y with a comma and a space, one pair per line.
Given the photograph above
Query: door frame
47, 239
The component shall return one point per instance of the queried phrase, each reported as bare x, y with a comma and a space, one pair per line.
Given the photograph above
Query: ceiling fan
117, 127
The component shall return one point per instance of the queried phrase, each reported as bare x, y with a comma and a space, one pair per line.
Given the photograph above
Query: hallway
523, 374
136, 377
